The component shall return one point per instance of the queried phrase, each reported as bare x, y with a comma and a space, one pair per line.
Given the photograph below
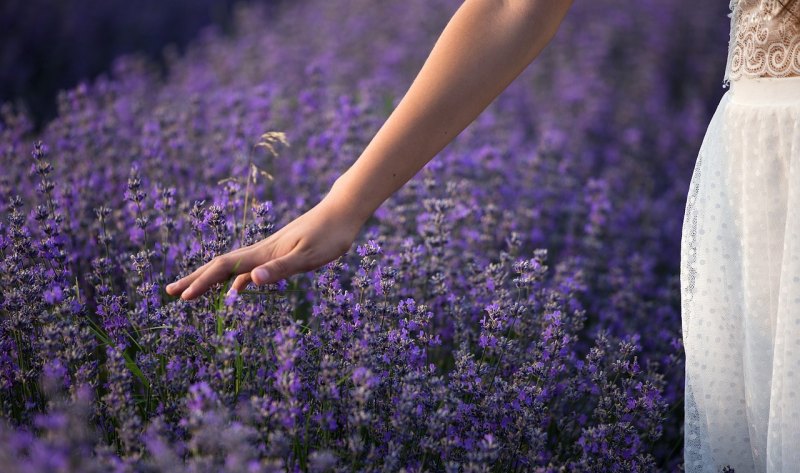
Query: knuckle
219, 262
280, 266
304, 251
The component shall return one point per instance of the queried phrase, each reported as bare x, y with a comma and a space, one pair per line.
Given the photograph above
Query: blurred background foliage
50, 45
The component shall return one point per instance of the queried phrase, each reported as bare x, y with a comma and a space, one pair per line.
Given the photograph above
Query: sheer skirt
740, 284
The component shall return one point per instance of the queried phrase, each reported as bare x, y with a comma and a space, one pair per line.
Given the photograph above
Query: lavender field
514, 307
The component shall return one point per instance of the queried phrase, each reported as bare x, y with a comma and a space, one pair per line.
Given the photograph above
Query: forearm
483, 48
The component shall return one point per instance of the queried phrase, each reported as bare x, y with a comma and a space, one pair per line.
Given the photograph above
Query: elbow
541, 17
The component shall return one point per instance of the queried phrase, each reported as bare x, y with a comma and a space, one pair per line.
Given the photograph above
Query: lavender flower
514, 307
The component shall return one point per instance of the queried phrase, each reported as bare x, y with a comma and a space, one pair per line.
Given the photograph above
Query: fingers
180, 285
220, 269
240, 282
277, 269
241, 261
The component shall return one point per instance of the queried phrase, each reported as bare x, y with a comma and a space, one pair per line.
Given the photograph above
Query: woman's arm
484, 47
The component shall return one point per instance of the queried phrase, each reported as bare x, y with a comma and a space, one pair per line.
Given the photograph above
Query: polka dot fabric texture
740, 284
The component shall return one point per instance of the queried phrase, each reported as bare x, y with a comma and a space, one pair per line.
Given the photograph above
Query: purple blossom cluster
514, 307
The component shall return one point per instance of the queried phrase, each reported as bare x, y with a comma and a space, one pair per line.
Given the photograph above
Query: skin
483, 48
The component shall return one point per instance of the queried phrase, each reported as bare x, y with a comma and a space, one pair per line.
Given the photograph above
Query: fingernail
261, 273
187, 293
170, 286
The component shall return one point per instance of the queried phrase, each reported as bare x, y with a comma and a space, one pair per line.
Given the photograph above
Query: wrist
345, 199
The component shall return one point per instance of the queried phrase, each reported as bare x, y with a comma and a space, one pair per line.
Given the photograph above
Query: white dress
740, 257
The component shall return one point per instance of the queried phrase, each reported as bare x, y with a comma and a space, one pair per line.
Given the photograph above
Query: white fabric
740, 284
765, 41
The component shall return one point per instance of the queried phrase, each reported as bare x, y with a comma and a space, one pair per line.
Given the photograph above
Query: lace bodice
764, 42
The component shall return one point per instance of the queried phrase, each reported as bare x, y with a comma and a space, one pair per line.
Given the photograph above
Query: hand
314, 239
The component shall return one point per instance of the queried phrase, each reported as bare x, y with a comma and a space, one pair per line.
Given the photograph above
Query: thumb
275, 270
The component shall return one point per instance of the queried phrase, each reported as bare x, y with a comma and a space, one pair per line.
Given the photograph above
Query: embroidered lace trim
763, 43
